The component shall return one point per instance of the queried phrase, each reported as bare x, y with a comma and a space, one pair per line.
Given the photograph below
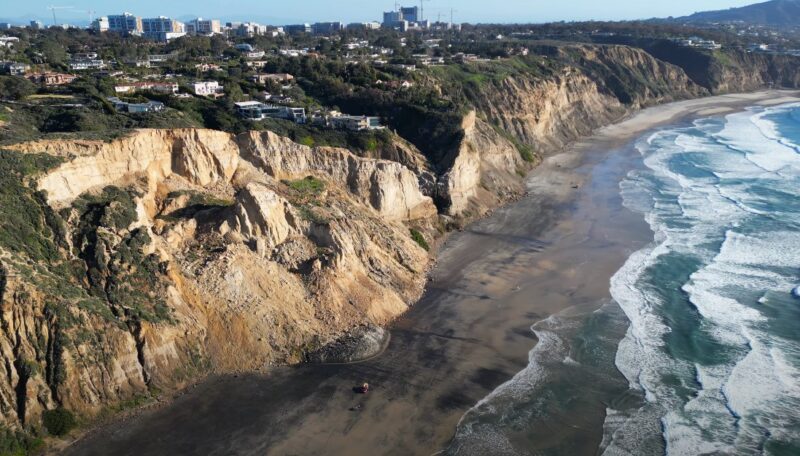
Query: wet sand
550, 253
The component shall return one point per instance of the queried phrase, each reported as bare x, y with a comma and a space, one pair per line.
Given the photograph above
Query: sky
278, 12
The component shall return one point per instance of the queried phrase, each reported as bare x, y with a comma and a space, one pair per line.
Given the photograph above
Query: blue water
699, 352
714, 336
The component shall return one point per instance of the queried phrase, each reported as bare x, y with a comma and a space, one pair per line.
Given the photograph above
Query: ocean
699, 350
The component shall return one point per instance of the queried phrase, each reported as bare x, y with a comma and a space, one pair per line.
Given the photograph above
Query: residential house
396, 84
255, 110
14, 68
51, 79
281, 78
293, 52
136, 108
81, 62
210, 89
8, 41
255, 55
169, 88
255, 63
158, 58
355, 123
208, 67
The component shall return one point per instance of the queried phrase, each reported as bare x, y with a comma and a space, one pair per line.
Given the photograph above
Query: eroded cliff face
730, 70
166, 254
185, 251
523, 117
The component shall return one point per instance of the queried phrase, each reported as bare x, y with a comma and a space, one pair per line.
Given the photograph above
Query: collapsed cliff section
138, 265
524, 108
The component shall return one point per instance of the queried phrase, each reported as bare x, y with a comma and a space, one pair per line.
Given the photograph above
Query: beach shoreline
470, 333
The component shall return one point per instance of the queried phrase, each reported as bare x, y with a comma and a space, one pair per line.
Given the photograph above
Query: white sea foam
475, 435
697, 197
755, 135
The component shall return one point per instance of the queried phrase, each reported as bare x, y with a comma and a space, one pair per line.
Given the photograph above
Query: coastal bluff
142, 263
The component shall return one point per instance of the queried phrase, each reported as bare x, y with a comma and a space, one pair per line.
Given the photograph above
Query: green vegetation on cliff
17, 443
106, 276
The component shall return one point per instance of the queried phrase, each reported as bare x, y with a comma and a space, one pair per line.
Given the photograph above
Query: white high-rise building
162, 28
125, 23
101, 24
202, 26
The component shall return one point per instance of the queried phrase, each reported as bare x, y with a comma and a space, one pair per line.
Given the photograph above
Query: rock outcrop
388, 187
181, 252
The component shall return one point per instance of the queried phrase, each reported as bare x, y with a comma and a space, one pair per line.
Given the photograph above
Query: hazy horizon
502, 11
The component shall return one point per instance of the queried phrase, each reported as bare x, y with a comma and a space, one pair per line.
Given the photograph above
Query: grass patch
313, 214
419, 239
51, 96
308, 186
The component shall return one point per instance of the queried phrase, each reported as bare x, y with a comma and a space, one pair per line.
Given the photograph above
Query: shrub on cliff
59, 421
419, 239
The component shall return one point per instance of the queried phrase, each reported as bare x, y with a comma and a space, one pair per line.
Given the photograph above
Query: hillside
776, 13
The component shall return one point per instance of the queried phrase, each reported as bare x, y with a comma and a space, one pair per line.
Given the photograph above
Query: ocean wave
482, 429
716, 377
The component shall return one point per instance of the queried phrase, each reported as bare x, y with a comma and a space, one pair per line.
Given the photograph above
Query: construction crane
452, 11
91, 14
422, 10
54, 8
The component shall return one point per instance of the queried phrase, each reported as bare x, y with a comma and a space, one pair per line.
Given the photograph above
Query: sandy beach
550, 253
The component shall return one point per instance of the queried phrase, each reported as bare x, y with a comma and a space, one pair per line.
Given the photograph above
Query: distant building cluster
156, 28
701, 43
164, 29
411, 18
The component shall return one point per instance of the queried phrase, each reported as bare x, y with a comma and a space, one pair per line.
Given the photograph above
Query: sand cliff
183, 252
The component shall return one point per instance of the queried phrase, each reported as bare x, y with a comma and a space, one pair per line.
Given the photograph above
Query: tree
53, 52
15, 88
234, 92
